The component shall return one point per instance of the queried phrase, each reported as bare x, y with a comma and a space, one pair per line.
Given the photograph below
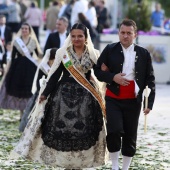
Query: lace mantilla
84, 64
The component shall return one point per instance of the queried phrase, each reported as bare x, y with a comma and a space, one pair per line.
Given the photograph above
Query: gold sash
83, 81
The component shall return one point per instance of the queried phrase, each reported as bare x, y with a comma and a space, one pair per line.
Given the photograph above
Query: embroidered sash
83, 81
25, 50
45, 68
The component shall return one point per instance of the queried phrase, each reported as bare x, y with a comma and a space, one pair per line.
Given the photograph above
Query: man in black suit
6, 37
5, 32
56, 39
127, 70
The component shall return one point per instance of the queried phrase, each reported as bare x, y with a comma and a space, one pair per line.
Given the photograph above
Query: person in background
14, 16
68, 119
5, 57
91, 14
5, 38
42, 70
62, 8
92, 17
157, 16
5, 31
2, 52
56, 39
33, 17
3, 5
82, 19
66, 10
51, 17
127, 69
80, 6
16, 88
23, 10
102, 16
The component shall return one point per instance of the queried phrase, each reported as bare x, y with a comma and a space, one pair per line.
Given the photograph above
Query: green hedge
140, 13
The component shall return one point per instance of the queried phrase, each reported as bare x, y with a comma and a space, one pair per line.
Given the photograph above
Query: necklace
78, 53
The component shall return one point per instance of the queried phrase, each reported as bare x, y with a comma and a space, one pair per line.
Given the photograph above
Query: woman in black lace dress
16, 89
70, 132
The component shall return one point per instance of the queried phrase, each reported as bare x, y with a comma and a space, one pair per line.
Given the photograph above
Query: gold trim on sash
83, 81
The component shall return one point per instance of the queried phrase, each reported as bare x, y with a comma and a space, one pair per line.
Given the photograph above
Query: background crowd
94, 14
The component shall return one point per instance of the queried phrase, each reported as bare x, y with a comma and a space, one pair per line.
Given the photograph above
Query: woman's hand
42, 98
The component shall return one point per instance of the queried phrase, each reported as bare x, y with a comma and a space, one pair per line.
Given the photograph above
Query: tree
140, 13
165, 4
46, 2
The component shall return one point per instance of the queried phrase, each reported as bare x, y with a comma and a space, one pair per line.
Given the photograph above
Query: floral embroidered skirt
69, 134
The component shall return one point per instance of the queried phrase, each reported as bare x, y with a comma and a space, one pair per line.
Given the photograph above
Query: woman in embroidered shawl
16, 88
42, 71
67, 128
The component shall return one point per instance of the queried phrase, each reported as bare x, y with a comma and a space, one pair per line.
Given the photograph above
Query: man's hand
42, 98
119, 79
146, 111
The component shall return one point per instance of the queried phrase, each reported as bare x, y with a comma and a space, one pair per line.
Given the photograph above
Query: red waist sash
126, 92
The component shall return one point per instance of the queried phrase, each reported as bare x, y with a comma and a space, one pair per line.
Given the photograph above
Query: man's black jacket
113, 57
